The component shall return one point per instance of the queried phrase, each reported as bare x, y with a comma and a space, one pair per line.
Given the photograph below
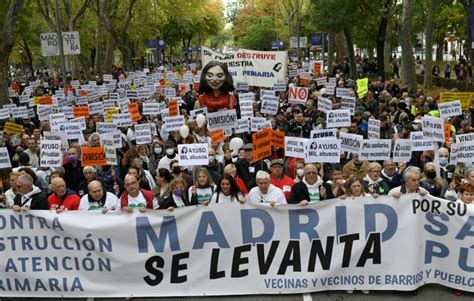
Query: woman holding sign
215, 87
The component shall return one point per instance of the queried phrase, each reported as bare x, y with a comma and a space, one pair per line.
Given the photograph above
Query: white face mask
300, 172
212, 158
158, 150
170, 151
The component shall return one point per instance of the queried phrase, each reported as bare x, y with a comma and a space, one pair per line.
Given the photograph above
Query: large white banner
50, 43
257, 68
233, 249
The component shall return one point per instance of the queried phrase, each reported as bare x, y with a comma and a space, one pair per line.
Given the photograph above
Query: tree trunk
85, 64
408, 62
98, 59
341, 47
29, 56
467, 29
6, 45
331, 42
350, 50
439, 49
428, 80
109, 55
387, 53
380, 40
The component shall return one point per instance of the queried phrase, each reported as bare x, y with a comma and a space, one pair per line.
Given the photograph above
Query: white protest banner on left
338, 118
322, 150
376, 149
257, 68
402, 150
51, 154
4, 158
222, 120
433, 128
449, 109
351, 142
295, 147
373, 128
193, 154
298, 95
143, 133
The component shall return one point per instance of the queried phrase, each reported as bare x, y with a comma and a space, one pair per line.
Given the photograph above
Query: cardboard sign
402, 150
143, 134
81, 111
193, 154
376, 149
93, 156
462, 152
373, 128
351, 143
464, 97
242, 86
19, 112
44, 111
51, 153
324, 104
280, 86
104, 127
173, 108
135, 113
217, 136
278, 139
174, 123
322, 151
57, 136
4, 158
298, 95
324, 133
433, 128
221, 120
194, 113
449, 109
295, 147
246, 105
338, 118
4, 114
12, 128
262, 144
342, 92
270, 105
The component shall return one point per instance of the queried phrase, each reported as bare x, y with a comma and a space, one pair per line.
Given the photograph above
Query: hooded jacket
35, 199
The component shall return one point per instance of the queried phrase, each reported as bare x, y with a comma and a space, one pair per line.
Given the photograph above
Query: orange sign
93, 156
45, 100
278, 139
133, 110
447, 132
217, 136
81, 111
262, 144
196, 86
173, 107
304, 81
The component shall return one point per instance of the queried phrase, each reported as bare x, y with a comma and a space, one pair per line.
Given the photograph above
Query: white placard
44, 111
109, 104
246, 105
105, 127
376, 149
82, 100
433, 128
222, 120
351, 143
19, 112
241, 86
270, 105
298, 95
321, 81
342, 92
373, 128
243, 126
151, 108
449, 109
324, 104
323, 151
402, 150
4, 158
196, 112
107, 141
255, 123
419, 143
462, 152
338, 118
193, 154
348, 103
295, 147
122, 119
174, 123
4, 114
72, 130
143, 133
280, 86
50, 43
465, 138
81, 121
51, 154
57, 136
96, 108
324, 133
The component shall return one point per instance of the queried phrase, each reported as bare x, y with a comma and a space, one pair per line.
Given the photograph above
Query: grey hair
26, 178
411, 170
468, 171
262, 175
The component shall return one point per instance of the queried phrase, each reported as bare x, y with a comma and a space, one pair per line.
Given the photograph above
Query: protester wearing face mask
447, 170
156, 154
177, 172
215, 168
73, 170
170, 155
178, 198
299, 171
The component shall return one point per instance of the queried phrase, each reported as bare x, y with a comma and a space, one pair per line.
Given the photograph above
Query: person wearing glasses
310, 189
28, 195
136, 198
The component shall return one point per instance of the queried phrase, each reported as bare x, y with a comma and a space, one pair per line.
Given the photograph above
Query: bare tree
6, 45
408, 61
429, 29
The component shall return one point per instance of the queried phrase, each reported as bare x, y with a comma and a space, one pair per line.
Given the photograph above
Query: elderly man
28, 195
246, 169
33, 152
134, 197
98, 199
73, 174
355, 167
391, 175
62, 198
308, 190
411, 176
265, 192
90, 174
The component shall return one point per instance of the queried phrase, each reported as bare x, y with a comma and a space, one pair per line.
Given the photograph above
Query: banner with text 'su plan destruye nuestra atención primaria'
233, 249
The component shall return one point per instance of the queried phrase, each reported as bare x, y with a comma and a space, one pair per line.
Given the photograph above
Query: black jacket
169, 202
299, 192
39, 201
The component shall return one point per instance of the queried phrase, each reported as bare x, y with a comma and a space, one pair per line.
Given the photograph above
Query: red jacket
285, 184
70, 201
148, 195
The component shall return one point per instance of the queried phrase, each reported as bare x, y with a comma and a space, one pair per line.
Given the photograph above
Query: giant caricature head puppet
215, 85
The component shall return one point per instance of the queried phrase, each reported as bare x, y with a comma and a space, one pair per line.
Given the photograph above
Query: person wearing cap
98, 199
246, 169
279, 179
265, 192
